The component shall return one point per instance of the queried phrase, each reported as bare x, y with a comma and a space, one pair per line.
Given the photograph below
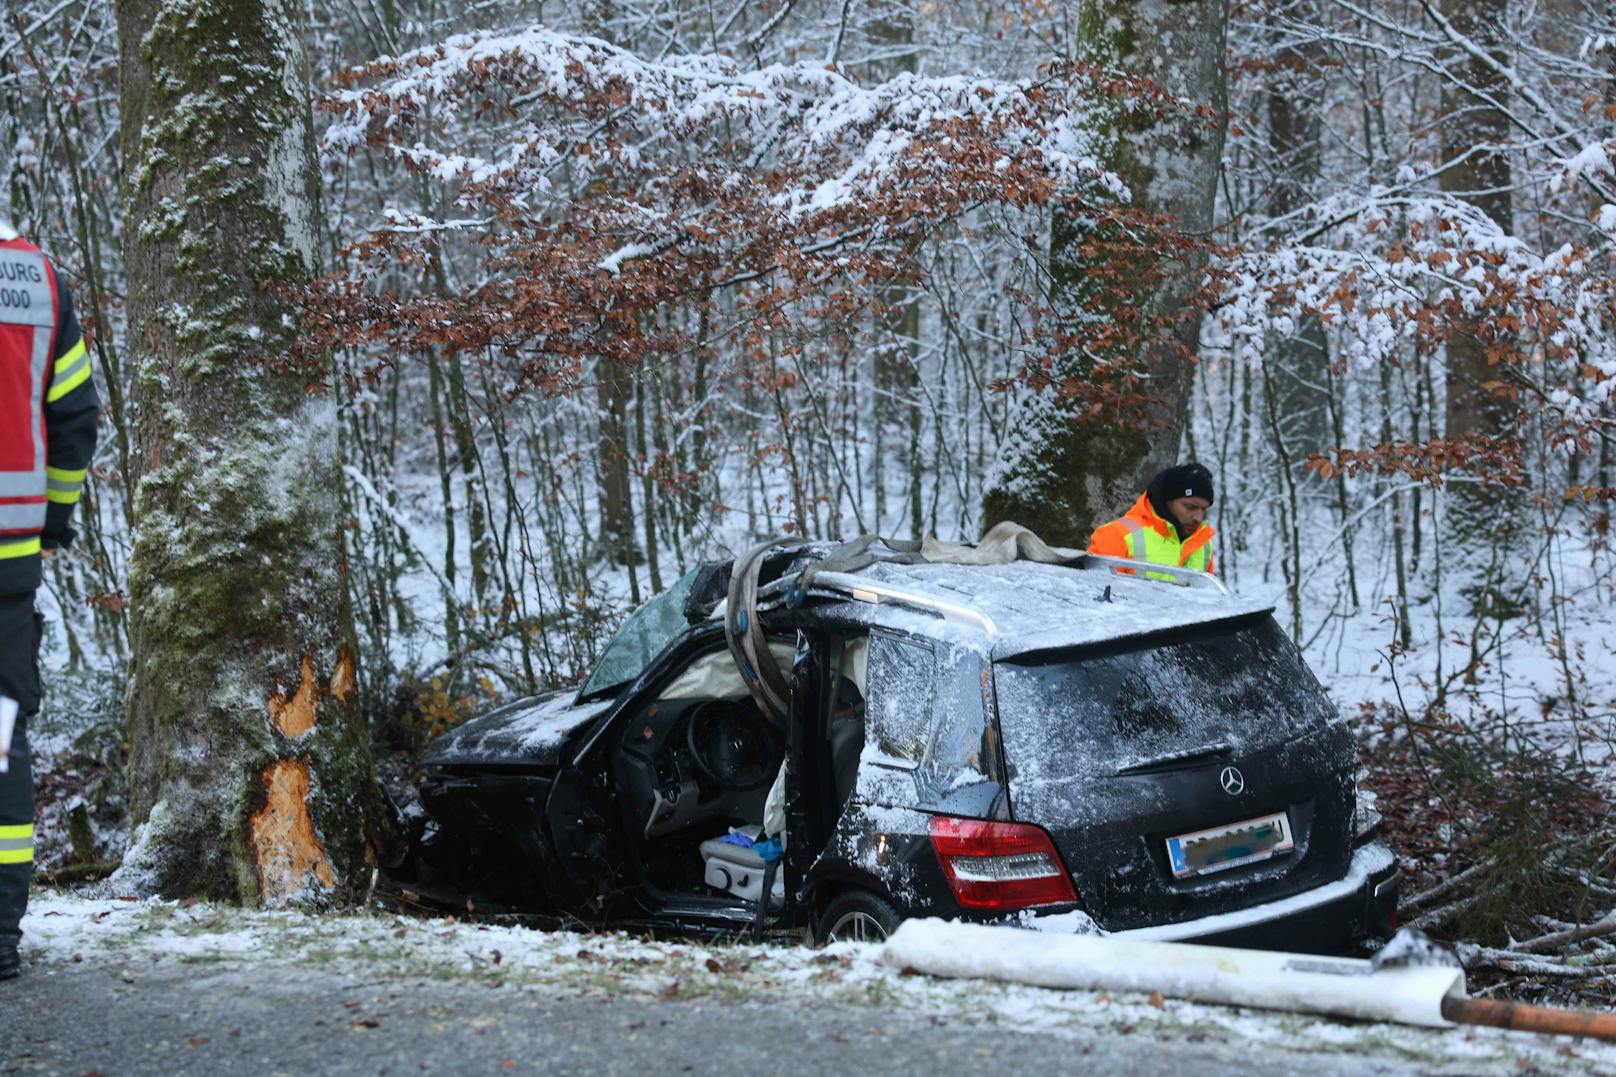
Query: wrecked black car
1052, 744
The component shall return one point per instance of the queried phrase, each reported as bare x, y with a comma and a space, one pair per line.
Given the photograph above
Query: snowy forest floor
158, 986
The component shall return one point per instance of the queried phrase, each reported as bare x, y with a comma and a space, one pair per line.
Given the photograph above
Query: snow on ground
62, 927
1524, 690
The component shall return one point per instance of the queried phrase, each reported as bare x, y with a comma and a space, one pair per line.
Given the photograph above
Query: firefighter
1167, 525
48, 407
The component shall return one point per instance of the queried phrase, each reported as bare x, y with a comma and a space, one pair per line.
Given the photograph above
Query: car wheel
857, 916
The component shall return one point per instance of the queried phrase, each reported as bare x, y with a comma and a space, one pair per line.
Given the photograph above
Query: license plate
1223, 847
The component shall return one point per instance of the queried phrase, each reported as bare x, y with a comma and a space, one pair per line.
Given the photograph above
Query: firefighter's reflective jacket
48, 408
1144, 536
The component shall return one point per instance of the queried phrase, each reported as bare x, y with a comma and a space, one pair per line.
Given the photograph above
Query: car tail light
1000, 865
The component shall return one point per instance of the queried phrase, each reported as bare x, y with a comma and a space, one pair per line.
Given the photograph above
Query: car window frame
872, 736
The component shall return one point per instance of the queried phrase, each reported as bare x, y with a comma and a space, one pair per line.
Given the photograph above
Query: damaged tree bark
1060, 472
250, 771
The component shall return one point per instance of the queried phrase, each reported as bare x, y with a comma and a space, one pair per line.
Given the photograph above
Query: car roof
1025, 606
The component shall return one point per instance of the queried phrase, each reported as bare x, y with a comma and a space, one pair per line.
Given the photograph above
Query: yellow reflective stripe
66, 385
17, 843
18, 549
63, 485
1158, 549
72, 355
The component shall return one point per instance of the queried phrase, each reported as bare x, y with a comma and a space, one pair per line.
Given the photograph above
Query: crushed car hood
530, 730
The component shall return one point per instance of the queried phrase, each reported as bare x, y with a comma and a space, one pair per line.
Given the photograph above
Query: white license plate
1223, 847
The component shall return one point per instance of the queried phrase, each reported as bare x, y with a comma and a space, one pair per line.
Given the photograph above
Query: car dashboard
663, 788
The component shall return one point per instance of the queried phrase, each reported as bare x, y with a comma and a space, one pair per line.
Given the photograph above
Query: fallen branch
1555, 940
77, 873
1436, 916
1442, 888
1477, 957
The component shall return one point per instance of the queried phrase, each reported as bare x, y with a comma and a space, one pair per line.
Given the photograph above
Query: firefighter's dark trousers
19, 678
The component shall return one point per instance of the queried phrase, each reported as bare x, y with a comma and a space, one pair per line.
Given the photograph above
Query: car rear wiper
1175, 760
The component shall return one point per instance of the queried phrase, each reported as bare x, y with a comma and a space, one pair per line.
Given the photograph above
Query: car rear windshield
1151, 703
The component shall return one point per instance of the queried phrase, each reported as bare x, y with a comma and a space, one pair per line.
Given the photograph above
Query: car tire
857, 916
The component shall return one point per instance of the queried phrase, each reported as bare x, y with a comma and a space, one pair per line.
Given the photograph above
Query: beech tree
1065, 465
250, 772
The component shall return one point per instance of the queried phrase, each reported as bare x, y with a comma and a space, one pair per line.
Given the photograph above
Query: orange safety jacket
1144, 536
48, 408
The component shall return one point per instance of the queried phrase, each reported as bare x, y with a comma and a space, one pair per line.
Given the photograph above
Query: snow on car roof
1026, 606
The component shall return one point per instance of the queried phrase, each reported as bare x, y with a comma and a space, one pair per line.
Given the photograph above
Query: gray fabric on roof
1005, 542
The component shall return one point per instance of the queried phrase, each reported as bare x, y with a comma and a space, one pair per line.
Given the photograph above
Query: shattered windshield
1105, 709
643, 636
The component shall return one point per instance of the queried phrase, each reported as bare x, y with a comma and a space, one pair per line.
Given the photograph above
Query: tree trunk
250, 771
612, 391
1481, 519
897, 351
648, 487
1295, 126
458, 408
1056, 473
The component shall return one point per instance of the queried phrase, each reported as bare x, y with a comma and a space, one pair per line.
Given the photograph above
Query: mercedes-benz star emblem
1233, 782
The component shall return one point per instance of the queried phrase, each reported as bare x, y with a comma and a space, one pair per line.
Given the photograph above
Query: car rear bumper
1328, 919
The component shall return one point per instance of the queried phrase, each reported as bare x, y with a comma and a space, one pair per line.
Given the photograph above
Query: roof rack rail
863, 590
860, 588
1189, 577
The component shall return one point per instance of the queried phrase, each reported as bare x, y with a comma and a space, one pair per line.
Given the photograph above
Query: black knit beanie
1180, 480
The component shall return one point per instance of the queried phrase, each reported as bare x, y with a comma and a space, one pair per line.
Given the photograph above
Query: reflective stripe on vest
1148, 544
27, 324
17, 844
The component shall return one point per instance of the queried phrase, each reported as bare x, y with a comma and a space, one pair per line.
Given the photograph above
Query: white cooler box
739, 871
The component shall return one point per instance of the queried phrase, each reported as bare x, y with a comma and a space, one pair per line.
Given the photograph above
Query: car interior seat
738, 870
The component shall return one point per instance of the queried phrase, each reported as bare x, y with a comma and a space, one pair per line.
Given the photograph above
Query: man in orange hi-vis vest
48, 407
1167, 525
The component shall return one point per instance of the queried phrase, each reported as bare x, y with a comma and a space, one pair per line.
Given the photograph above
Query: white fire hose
1432, 995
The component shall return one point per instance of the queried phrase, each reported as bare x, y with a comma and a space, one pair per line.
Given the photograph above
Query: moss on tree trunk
1058, 473
250, 770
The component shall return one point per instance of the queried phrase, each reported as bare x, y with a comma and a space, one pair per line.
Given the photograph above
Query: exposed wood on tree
287, 851
294, 714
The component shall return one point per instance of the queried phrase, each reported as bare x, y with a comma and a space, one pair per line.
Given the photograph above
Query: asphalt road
174, 1018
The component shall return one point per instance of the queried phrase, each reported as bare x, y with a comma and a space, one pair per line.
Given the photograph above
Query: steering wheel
733, 745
